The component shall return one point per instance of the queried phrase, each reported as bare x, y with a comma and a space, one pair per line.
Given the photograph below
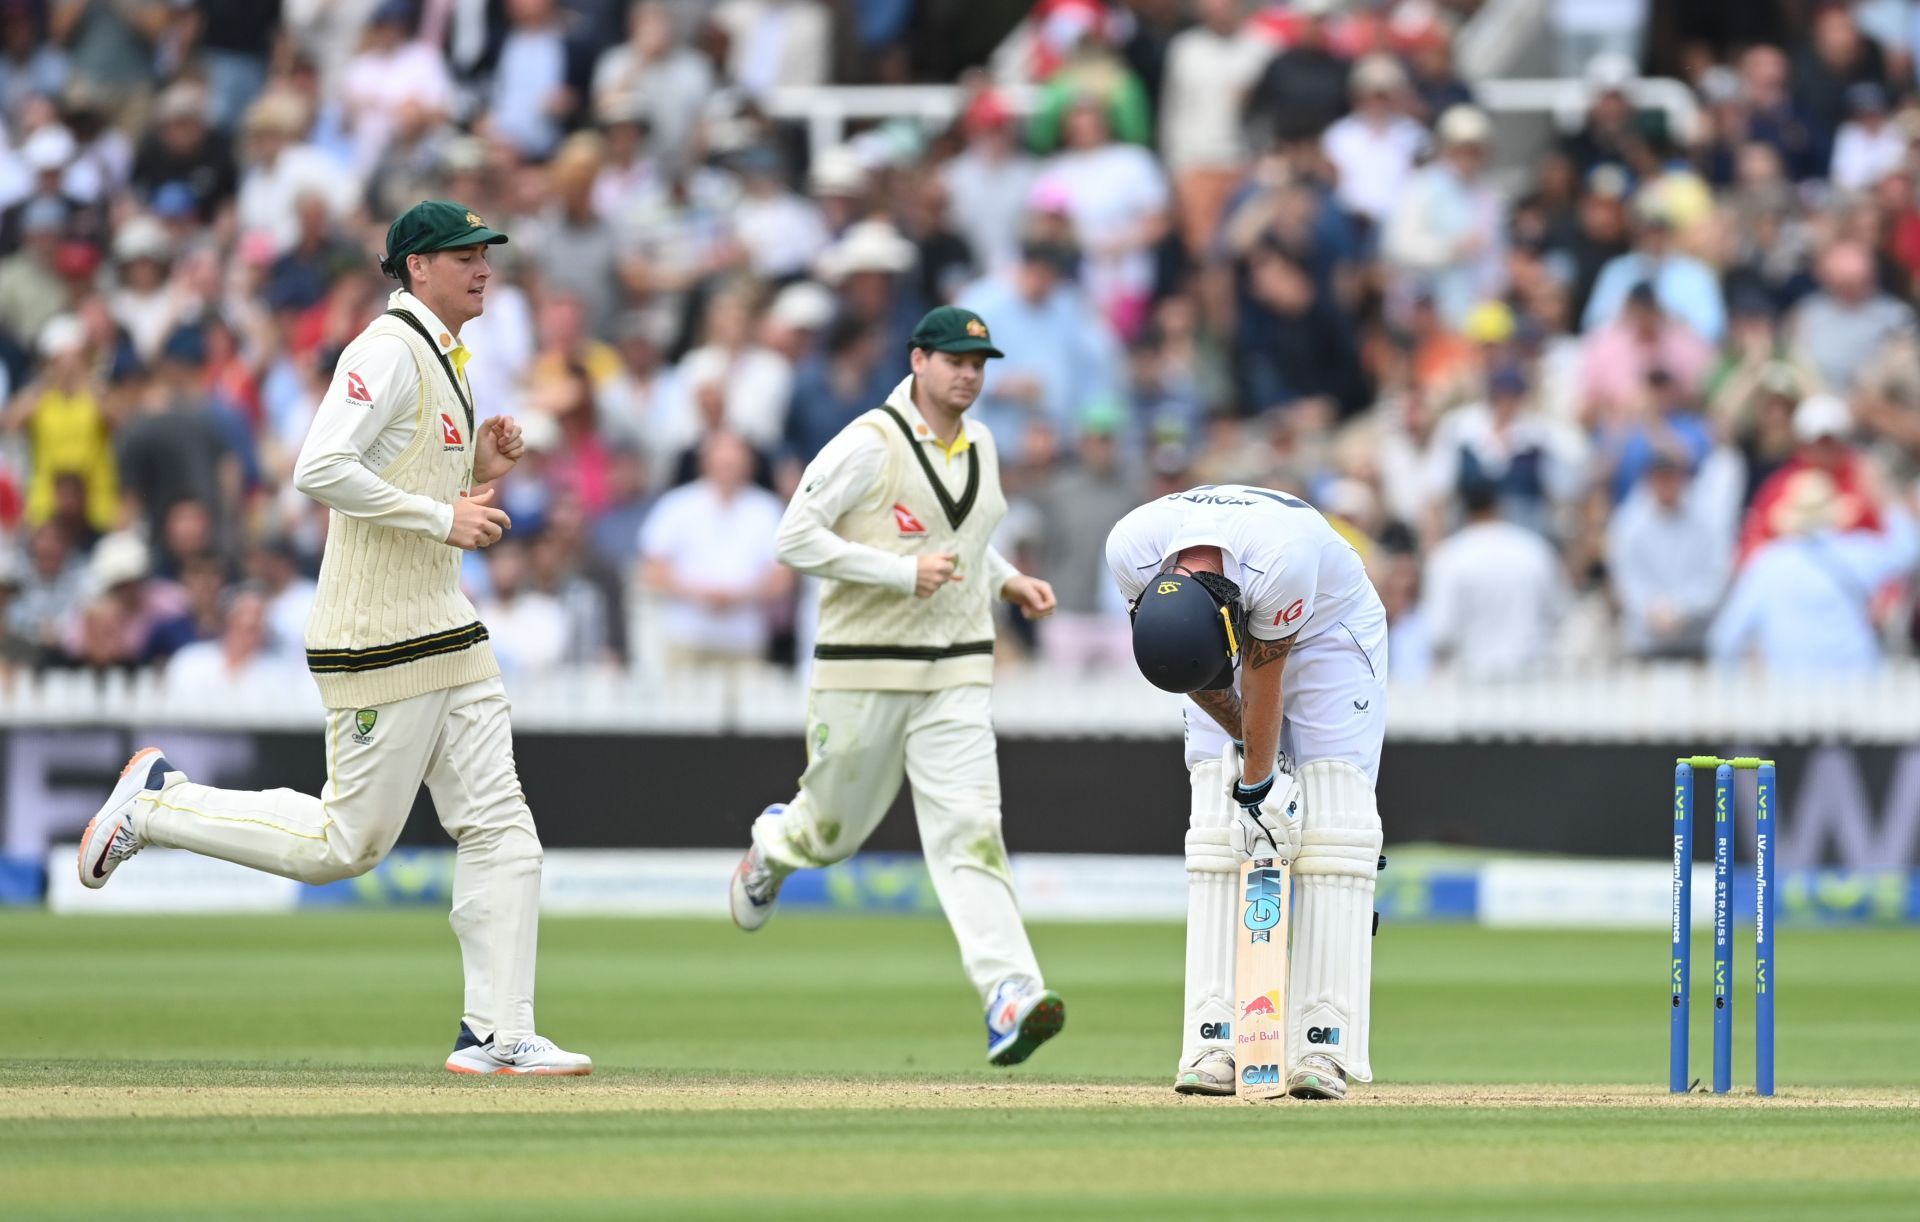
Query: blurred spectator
578, 461
944, 258
279, 167
587, 266
528, 627
1616, 133
532, 97
708, 548
1396, 575
590, 591
1373, 148
395, 81
30, 66
17, 650
111, 44
1303, 89
1060, 353
1493, 593
49, 589
234, 40
1620, 357
773, 44
147, 302
782, 231
1822, 424
1828, 64
203, 580
988, 182
274, 568
1803, 603
242, 658
173, 449
1446, 233
1842, 327
1669, 420
1685, 287
66, 428
614, 535
1669, 554
32, 291
47, 154
182, 149
1210, 67
1117, 197
832, 388
1296, 346
1869, 145
1080, 503
751, 383
866, 268
125, 609
1089, 74
1528, 463
654, 79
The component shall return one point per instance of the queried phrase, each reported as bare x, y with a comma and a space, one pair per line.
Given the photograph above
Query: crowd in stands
1650, 390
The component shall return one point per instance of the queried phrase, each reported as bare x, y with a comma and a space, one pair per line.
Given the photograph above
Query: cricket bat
1260, 962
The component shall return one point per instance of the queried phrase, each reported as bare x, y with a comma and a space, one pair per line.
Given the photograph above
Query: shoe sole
1201, 1088
515, 1072
1041, 1024
115, 800
736, 896
1312, 1088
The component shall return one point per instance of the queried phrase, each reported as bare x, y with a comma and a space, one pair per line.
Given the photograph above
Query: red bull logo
1265, 1003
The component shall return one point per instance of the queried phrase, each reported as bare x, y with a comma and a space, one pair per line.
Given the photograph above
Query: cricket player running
401, 659
895, 513
1247, 601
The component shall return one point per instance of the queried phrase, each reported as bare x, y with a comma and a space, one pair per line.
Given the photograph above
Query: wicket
1682, 931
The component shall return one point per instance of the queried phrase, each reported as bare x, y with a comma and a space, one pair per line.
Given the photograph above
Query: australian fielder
402, 661
896, 513
1247, 601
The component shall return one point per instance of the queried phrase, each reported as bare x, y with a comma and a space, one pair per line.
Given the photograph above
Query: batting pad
1213, 870
1329, 1002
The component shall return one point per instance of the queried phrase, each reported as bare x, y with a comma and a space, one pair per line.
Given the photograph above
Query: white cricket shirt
1297, 576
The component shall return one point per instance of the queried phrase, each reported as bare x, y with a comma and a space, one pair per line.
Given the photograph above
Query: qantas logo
904, 519
357, 389
449, 432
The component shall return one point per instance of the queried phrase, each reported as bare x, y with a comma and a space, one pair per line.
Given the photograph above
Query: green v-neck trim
956, 511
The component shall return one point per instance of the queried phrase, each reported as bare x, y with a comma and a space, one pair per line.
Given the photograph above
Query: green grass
831, 1067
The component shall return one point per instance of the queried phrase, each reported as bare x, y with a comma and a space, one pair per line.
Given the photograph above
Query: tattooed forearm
1223, 706
1261, 653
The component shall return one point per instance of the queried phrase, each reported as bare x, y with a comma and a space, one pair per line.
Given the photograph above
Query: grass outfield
286, 1067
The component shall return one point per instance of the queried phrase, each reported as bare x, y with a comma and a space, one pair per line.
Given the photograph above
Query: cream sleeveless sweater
389, 621
872, 638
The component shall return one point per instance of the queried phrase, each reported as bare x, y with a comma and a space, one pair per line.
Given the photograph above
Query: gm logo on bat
1263, 899
1261, 1075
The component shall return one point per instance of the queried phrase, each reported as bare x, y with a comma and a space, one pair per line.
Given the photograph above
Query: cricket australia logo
363, 726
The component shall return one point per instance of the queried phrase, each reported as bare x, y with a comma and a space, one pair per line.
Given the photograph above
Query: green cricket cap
434, 224
952, 329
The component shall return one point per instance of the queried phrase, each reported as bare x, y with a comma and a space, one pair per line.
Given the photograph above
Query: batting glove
1269, 815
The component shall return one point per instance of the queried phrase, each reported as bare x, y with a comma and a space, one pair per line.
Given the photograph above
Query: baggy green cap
434, 224
952, 329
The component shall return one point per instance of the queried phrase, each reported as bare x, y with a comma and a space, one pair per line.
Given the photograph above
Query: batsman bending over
1233, 578
896, 513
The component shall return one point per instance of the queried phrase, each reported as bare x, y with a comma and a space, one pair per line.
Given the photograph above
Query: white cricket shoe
110, 837
756, 884
1317, 1076
1207, 1072
1021, 1017
535, 1054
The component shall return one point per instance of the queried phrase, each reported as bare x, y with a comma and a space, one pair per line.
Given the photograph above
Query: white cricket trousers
457, 740
859, 744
